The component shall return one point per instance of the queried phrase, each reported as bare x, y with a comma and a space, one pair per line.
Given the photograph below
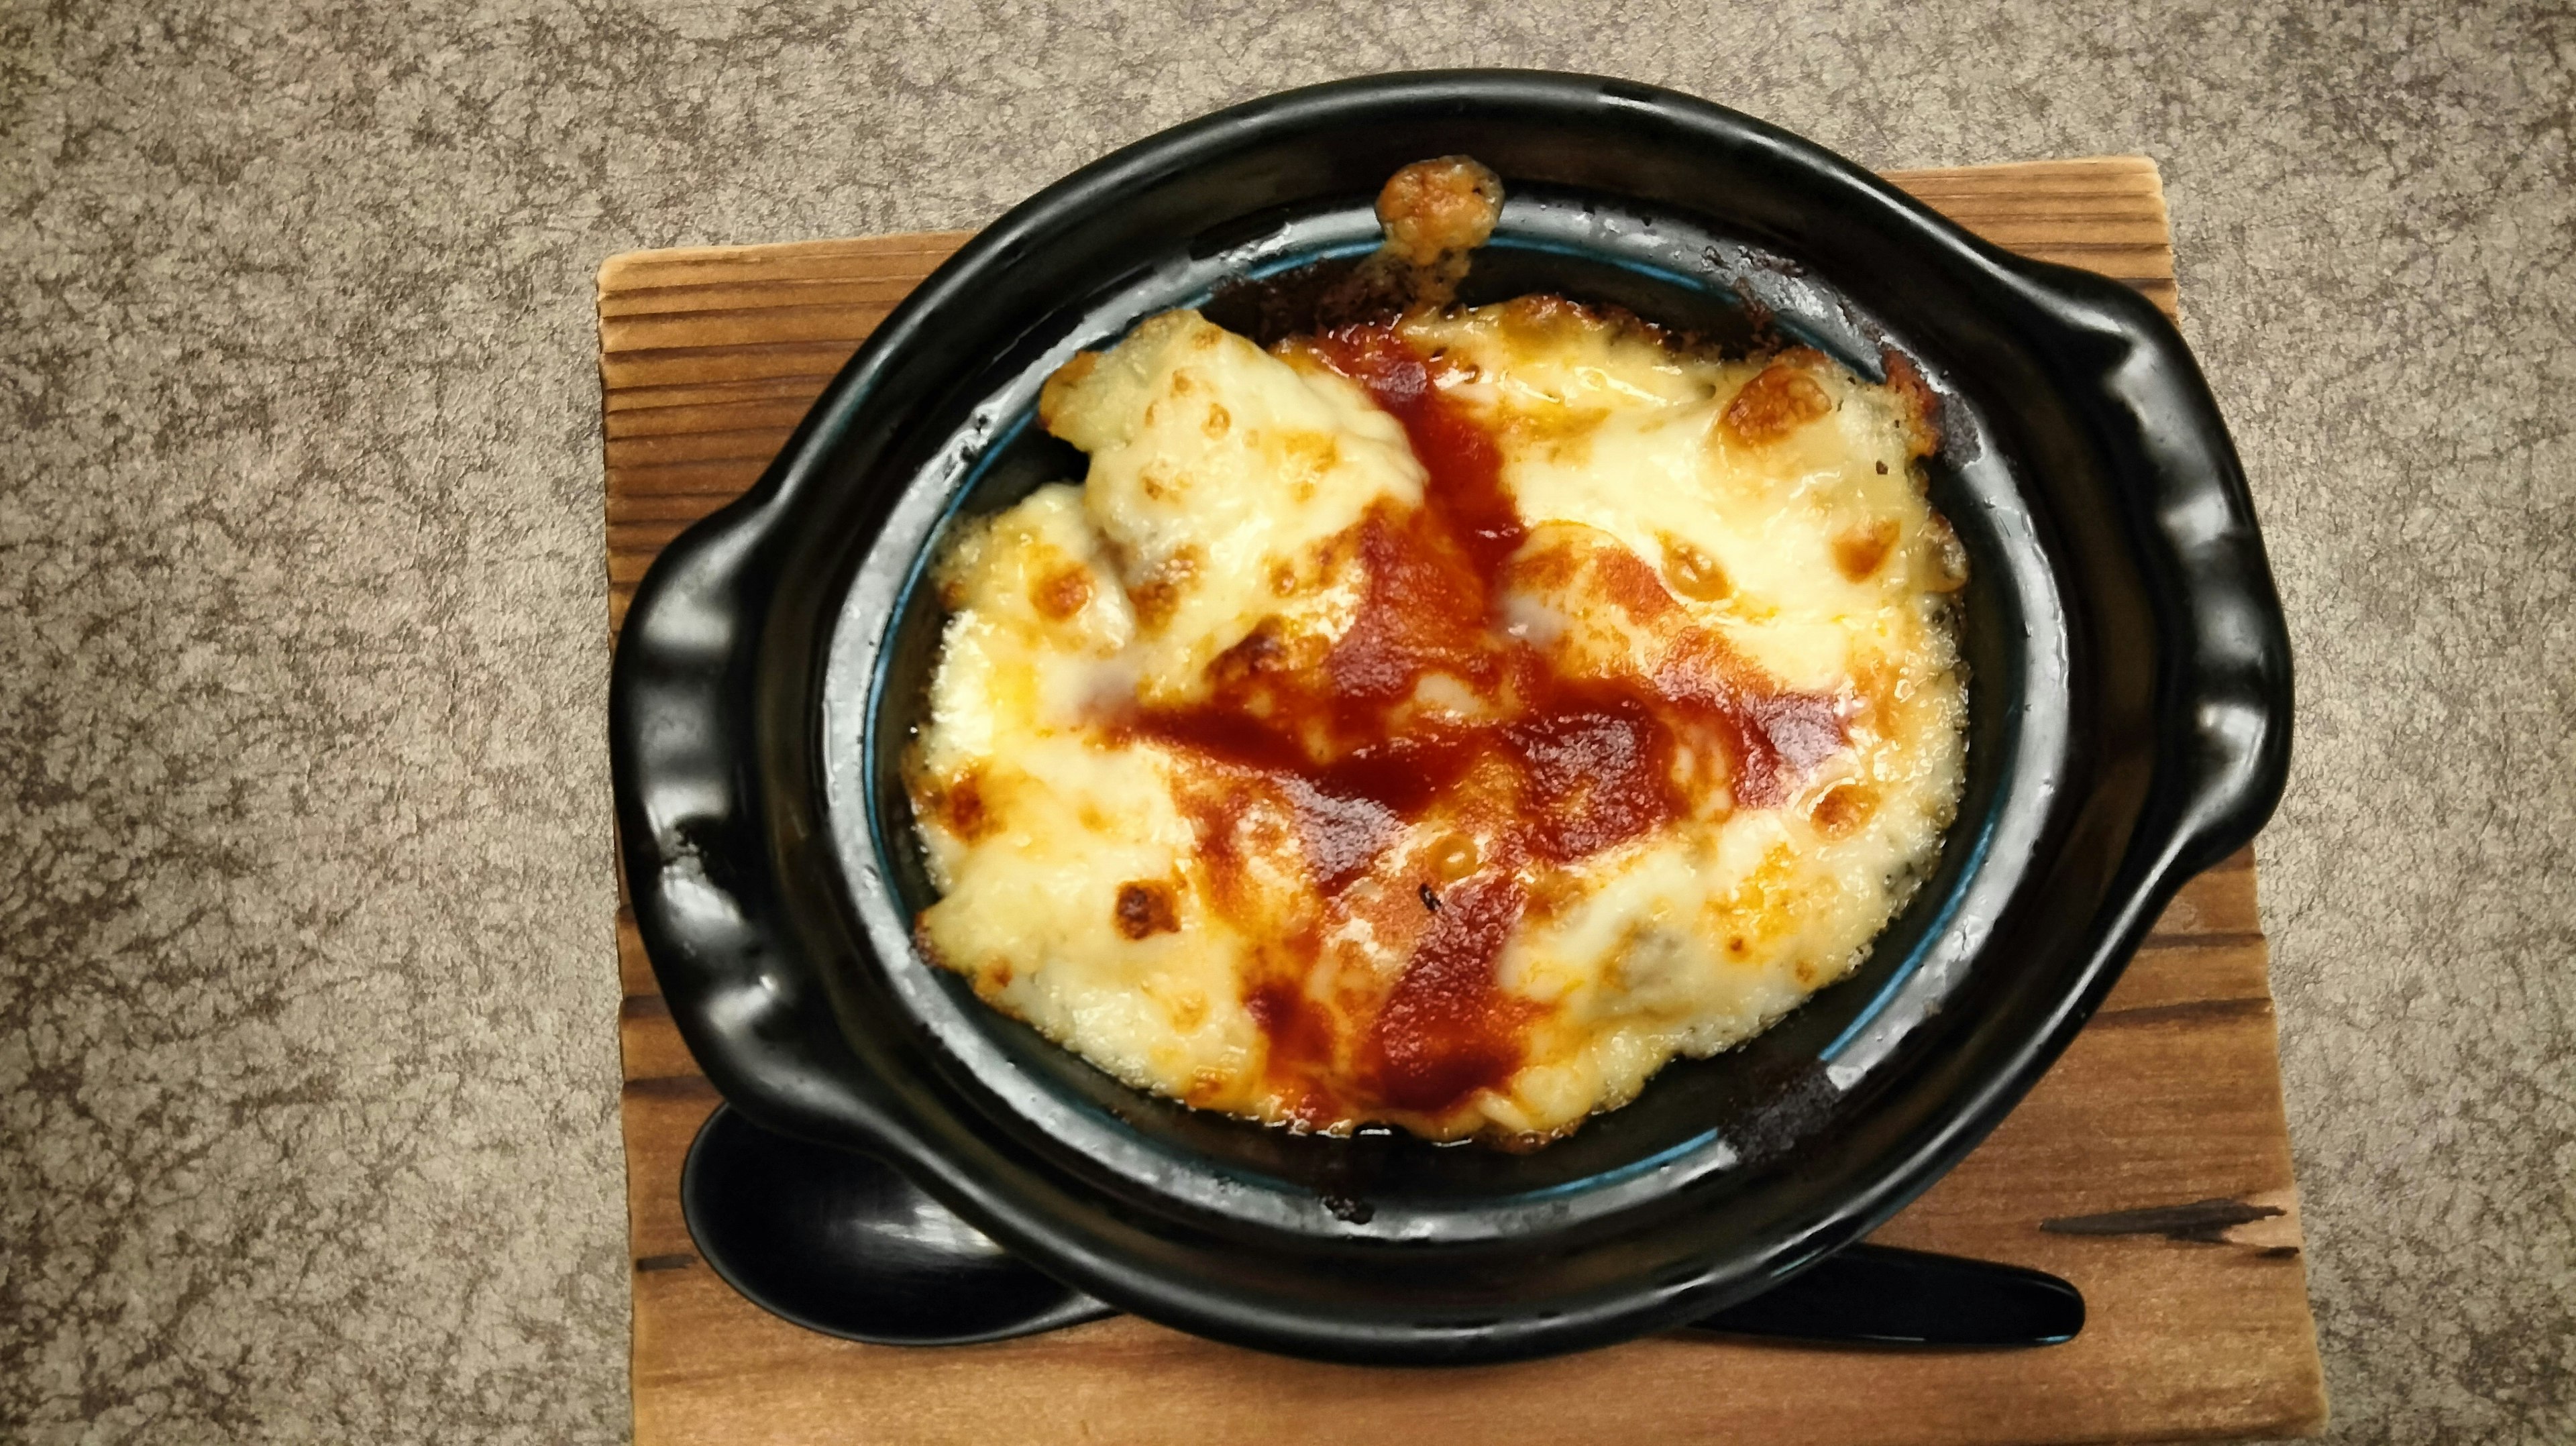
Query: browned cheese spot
1435, 207
1543, 316
927, 946
1916, 402
1158, 596
1264, 650
1308, 457
1146, 908
1219, 421
961, 806
1859, 551
1843, 809
1779, 401
1052, 396
1693, 573
1623, 577
1454, 858
1062, 592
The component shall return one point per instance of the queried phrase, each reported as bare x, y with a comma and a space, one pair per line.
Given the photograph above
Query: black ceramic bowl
2129, 726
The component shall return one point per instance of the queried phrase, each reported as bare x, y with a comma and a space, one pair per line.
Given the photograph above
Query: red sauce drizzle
1446, 1030
1571, 766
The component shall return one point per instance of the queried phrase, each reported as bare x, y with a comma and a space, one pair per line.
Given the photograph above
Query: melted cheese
1219, 474
1447, 726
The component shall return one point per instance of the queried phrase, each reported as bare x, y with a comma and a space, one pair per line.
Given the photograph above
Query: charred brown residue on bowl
1433, 215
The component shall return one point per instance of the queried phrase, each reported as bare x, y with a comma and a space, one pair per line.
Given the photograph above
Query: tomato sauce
1562, 767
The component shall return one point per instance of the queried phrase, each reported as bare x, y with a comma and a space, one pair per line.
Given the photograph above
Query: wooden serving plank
2151, 1166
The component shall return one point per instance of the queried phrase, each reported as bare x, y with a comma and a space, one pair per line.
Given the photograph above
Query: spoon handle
1880, 1295
1869, 1295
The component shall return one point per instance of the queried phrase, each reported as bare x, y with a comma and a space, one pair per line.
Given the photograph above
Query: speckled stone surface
307, 1072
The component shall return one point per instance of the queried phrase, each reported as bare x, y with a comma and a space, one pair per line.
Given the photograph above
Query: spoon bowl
843, 1243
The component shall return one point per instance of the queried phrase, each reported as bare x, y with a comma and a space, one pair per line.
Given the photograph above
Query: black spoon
844, 1244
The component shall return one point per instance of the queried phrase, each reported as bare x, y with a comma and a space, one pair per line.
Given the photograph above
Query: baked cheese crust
1443, 723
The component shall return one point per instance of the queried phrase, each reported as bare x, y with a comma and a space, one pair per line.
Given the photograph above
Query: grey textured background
307, 1077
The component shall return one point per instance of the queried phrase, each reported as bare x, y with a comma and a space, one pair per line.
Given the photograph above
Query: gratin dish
2129, 725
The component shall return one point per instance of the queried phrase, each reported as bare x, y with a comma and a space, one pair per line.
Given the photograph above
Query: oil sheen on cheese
1442, 723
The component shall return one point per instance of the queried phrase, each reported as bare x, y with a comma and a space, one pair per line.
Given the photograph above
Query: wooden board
2151, 1167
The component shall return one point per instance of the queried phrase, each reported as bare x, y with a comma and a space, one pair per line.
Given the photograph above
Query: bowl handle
693, 766
2226, 659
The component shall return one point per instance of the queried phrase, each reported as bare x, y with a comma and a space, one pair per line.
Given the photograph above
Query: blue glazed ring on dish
2129, 725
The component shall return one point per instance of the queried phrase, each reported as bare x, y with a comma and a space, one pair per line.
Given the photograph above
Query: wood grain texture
2151, 1166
